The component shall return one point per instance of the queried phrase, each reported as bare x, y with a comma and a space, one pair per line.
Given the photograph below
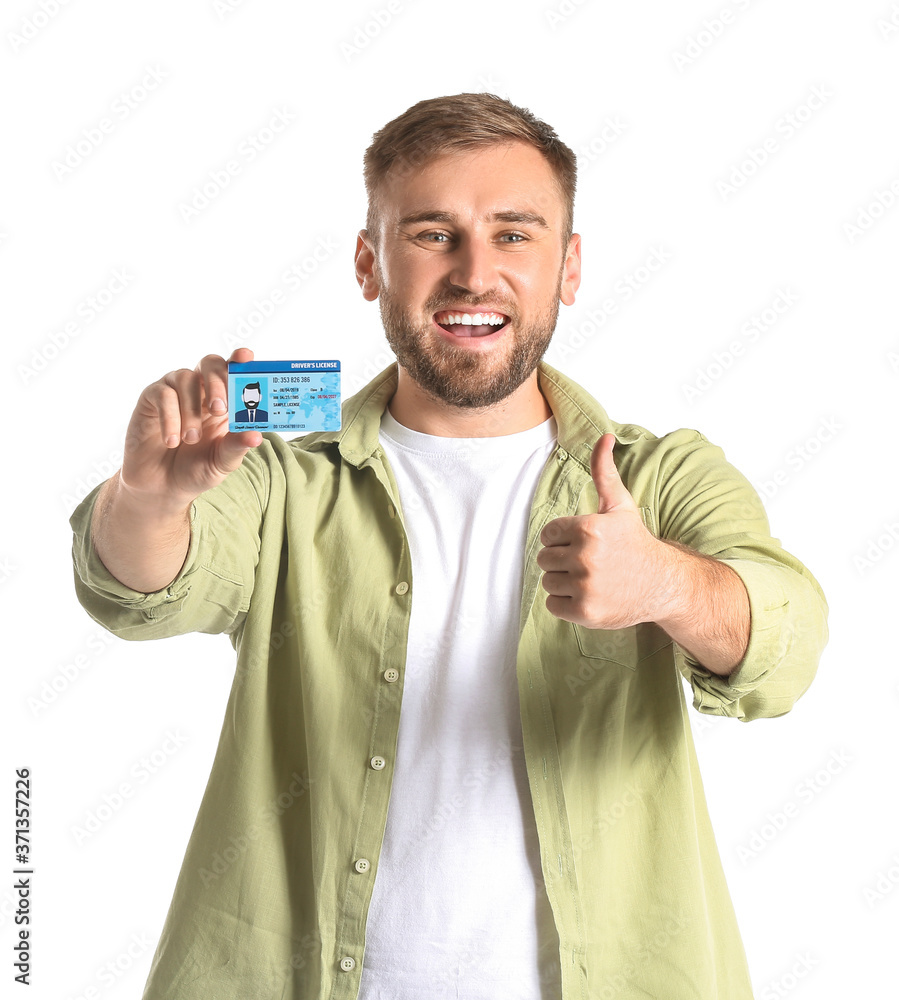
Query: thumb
610, 489
232, 447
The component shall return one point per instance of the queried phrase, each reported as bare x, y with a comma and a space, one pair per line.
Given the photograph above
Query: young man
475, 603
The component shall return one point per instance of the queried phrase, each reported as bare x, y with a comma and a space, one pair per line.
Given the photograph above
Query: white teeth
476, 319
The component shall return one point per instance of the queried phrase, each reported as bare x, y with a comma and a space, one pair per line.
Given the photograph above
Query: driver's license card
288, 396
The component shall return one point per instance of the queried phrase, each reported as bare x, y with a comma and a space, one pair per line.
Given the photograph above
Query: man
547, 833
251, 397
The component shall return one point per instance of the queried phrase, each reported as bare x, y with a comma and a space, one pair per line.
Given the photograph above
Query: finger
188, 387
559, 531
213, 372
560, 607
558, 584
554, 558
610, 489
157, 412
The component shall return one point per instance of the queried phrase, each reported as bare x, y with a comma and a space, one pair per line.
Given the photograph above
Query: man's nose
473, 266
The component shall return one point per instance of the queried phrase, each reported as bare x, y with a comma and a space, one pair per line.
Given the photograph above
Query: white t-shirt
458, 906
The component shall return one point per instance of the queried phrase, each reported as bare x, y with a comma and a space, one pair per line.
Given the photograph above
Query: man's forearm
705, 608
142, 545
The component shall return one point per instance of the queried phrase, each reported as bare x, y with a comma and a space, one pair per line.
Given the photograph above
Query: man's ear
366, 267
571, 272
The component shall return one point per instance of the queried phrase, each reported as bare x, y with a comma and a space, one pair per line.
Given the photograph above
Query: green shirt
301, 557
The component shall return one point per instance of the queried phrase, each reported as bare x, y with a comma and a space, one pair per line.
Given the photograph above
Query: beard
456, 375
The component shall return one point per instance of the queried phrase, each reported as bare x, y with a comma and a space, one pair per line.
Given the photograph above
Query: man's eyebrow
430, 215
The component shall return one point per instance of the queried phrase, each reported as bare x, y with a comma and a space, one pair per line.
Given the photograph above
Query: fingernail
217, 406
171, 441
191, 436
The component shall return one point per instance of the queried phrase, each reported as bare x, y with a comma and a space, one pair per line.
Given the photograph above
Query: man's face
464, 234
251, 398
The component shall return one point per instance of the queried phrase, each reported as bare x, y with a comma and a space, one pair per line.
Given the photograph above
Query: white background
661, 107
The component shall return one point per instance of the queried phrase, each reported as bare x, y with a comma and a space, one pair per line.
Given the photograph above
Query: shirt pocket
624, 646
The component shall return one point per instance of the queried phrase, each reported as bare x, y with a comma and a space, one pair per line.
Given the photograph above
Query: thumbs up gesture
603, 570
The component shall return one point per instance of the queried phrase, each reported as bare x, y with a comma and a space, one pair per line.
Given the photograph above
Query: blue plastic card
292, 396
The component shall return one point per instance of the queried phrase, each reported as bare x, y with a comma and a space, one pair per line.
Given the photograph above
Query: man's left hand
604, 570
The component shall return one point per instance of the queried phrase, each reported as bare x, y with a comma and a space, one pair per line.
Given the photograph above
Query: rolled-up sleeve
212, 590
708, 505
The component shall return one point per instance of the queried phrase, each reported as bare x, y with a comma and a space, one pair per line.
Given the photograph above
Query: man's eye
516, 236
429, 236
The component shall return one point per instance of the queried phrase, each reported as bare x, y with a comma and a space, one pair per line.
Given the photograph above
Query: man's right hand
178, 444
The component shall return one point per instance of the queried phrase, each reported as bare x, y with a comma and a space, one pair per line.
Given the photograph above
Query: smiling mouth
471, 324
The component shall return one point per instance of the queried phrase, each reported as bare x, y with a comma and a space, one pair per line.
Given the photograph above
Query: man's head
251, 395
471, 205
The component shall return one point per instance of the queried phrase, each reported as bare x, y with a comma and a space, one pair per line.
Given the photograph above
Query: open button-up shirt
301, 557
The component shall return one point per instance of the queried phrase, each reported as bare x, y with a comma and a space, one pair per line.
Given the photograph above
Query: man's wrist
152, 507
672, 590
704, 606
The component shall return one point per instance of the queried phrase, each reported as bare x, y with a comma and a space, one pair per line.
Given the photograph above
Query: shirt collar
580, 420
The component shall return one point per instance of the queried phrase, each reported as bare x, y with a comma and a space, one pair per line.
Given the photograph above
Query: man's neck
523, 409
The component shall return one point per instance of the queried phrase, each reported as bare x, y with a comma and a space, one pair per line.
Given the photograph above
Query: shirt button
362, 865
348, 964
401, 588
563, 454
391, 674
378, 763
